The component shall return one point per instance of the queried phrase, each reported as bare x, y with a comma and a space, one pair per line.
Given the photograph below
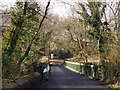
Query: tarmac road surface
61, 77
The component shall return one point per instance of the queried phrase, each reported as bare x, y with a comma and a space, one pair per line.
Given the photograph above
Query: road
61, 77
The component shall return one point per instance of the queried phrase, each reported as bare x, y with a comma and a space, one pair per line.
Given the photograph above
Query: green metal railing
46, 74
40, 68
89, 69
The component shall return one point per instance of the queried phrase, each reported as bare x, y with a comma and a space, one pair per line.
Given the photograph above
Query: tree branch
30, 44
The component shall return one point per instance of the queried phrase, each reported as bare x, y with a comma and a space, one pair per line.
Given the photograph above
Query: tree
93, 19
30, 44
23, 31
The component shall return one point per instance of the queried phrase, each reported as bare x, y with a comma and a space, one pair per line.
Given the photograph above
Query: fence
89, 69
40, 68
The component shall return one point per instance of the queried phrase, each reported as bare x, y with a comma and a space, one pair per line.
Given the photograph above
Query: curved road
61, 77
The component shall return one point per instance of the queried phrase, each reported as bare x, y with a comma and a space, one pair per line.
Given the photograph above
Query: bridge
62, 77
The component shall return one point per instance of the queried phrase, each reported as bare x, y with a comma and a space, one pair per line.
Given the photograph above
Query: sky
63, 7
59, 7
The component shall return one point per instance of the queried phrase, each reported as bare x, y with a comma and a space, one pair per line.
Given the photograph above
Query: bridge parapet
92, 70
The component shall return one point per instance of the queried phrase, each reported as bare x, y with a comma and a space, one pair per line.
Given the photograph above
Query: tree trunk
15, 36
30, 44
98, 47
119, 19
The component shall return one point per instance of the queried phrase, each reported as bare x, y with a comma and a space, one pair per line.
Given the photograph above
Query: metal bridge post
92, 71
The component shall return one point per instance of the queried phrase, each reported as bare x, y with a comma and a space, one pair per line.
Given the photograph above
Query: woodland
91, 33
